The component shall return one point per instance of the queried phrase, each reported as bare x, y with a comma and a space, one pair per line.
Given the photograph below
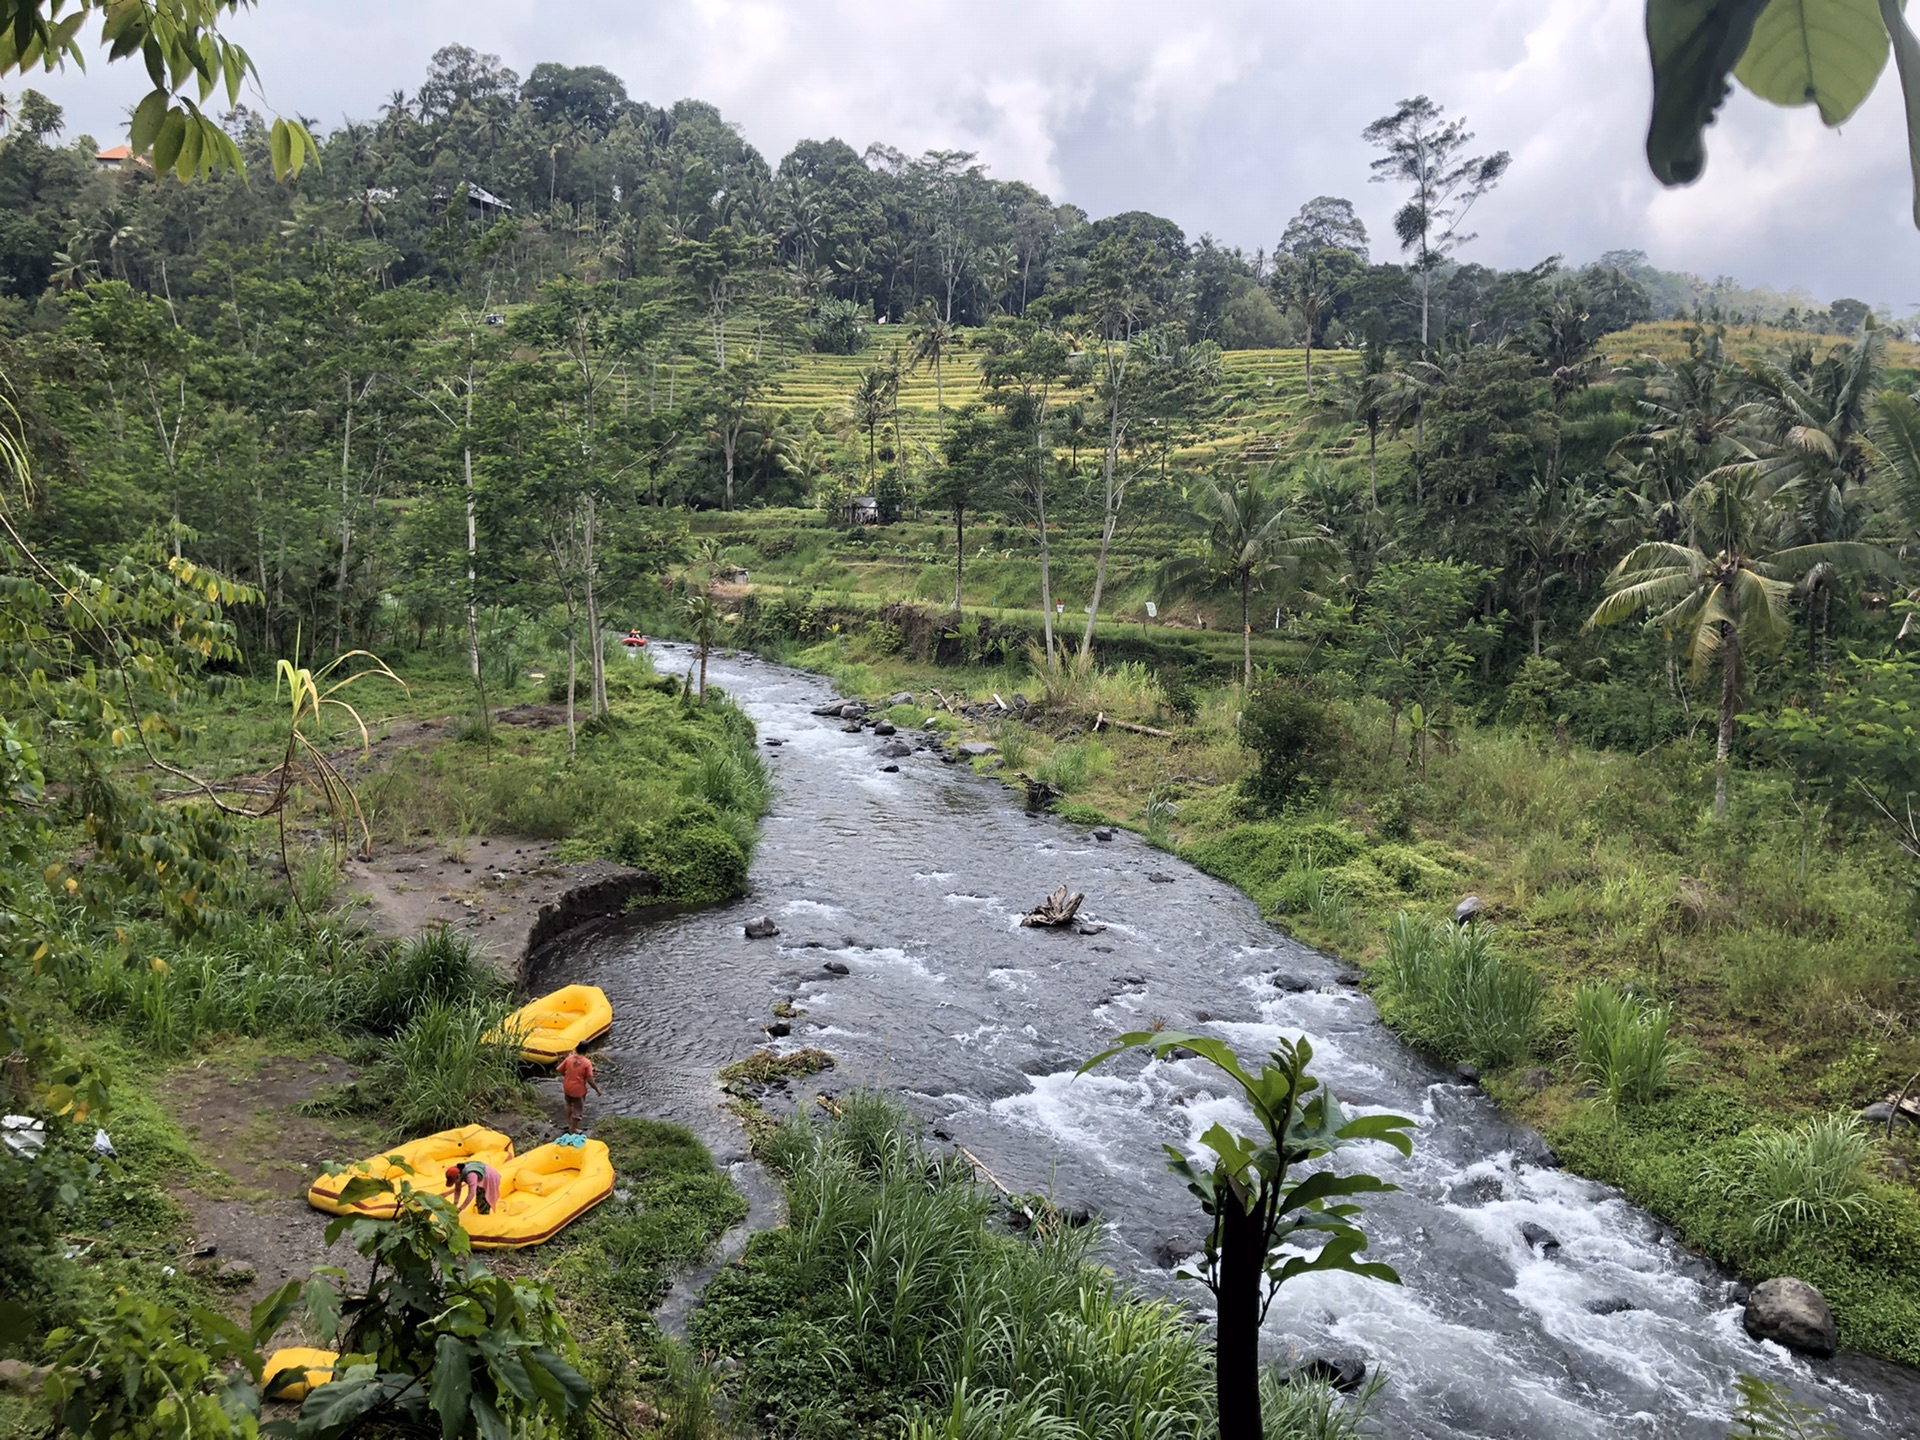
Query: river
912, 883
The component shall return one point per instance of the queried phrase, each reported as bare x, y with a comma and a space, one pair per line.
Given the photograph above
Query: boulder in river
832, 707
1540, 1239
761, 927
835, 967
889, 769
1346, 1373
1792, 1313
896, 750
1103, 834
885, 727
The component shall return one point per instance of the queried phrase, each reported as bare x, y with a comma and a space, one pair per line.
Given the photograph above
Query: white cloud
1223, 114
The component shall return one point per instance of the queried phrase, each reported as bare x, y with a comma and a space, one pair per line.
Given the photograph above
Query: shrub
696, 858
1453, 993
1295, 738
387, 988
1625, 1044
1811, 1176
1295, 1409
446, 1067
1070, 767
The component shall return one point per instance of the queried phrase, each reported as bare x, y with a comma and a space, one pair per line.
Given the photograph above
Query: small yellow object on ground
541, 1193
548, 1028
313, 1368
428, 1159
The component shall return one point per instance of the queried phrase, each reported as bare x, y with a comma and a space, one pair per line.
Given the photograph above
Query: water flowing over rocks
900, 897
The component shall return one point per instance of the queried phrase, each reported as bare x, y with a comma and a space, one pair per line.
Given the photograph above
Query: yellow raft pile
422, 1162
550, 1027
541, 1193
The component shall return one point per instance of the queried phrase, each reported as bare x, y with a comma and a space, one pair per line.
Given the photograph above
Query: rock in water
1346, 1373
885, 727
1538, 1237
1792, 1313
761, 927
896, 750
835, 967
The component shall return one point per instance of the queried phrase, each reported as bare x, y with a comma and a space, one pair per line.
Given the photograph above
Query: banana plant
1273, 1219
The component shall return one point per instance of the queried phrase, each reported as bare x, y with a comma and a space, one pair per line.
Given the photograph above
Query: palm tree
703, 618
1361, 398
870, 405
1807, 437
1250, 545
1726, 601
1895, 432
933, 337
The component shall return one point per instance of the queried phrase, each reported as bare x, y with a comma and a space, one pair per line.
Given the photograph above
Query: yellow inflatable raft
428, 1157
549, 1027
541, 1193
313, 1368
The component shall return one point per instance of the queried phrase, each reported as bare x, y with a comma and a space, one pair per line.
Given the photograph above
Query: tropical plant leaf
1816, 52
1906, 55
1693, 44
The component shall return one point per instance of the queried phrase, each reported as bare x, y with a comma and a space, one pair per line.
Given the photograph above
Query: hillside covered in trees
1357, 574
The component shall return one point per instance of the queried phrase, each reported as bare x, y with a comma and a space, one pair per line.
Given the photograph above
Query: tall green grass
1456, 995
279, 979
1812, 1176
1072, 766
1625, 1045
890, 1292
445, 1068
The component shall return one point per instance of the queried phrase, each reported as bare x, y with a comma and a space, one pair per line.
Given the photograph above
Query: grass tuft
1456, 995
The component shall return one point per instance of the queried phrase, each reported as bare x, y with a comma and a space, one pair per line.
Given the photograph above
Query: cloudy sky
1221, 114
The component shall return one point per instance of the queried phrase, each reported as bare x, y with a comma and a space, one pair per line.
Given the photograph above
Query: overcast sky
1223, 115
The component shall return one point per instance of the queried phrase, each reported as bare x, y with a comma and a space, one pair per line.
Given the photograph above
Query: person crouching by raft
475, 1181
576, 1074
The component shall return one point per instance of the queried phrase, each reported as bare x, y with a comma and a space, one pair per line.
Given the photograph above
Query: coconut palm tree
1361, 398
703, 618
1255, 541
1895, 432
1726, 599
933, 338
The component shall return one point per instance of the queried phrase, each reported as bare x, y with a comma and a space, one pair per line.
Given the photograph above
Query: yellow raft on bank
548, 1028
541, 1193
428, 1159
312, 1369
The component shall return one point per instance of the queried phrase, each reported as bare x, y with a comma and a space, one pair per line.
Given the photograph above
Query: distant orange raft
541, 1193
554, 1025
422, 1163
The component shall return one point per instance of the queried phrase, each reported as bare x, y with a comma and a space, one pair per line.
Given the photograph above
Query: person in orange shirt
576, 1074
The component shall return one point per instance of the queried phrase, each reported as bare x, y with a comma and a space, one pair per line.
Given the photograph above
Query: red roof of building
118, 152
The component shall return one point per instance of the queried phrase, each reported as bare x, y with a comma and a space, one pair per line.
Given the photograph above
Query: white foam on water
810, 907
1009, 978
830, 1030
1084, 1113
934, 877
990, 1034
887, 957
982, 902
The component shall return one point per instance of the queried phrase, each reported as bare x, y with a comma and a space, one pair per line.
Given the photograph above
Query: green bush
1454, 994
696, 859
1296, 739
1072, 766
1625, 1045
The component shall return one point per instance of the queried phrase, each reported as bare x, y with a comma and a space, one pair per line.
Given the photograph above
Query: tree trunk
573, 674
1237, 1340
1309, 359
1046, 572
1373, 461
939, 399
346, 529
705, 646
959, 553
473, 569
1730, 681
1110, 503
1246, 629
596, 652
